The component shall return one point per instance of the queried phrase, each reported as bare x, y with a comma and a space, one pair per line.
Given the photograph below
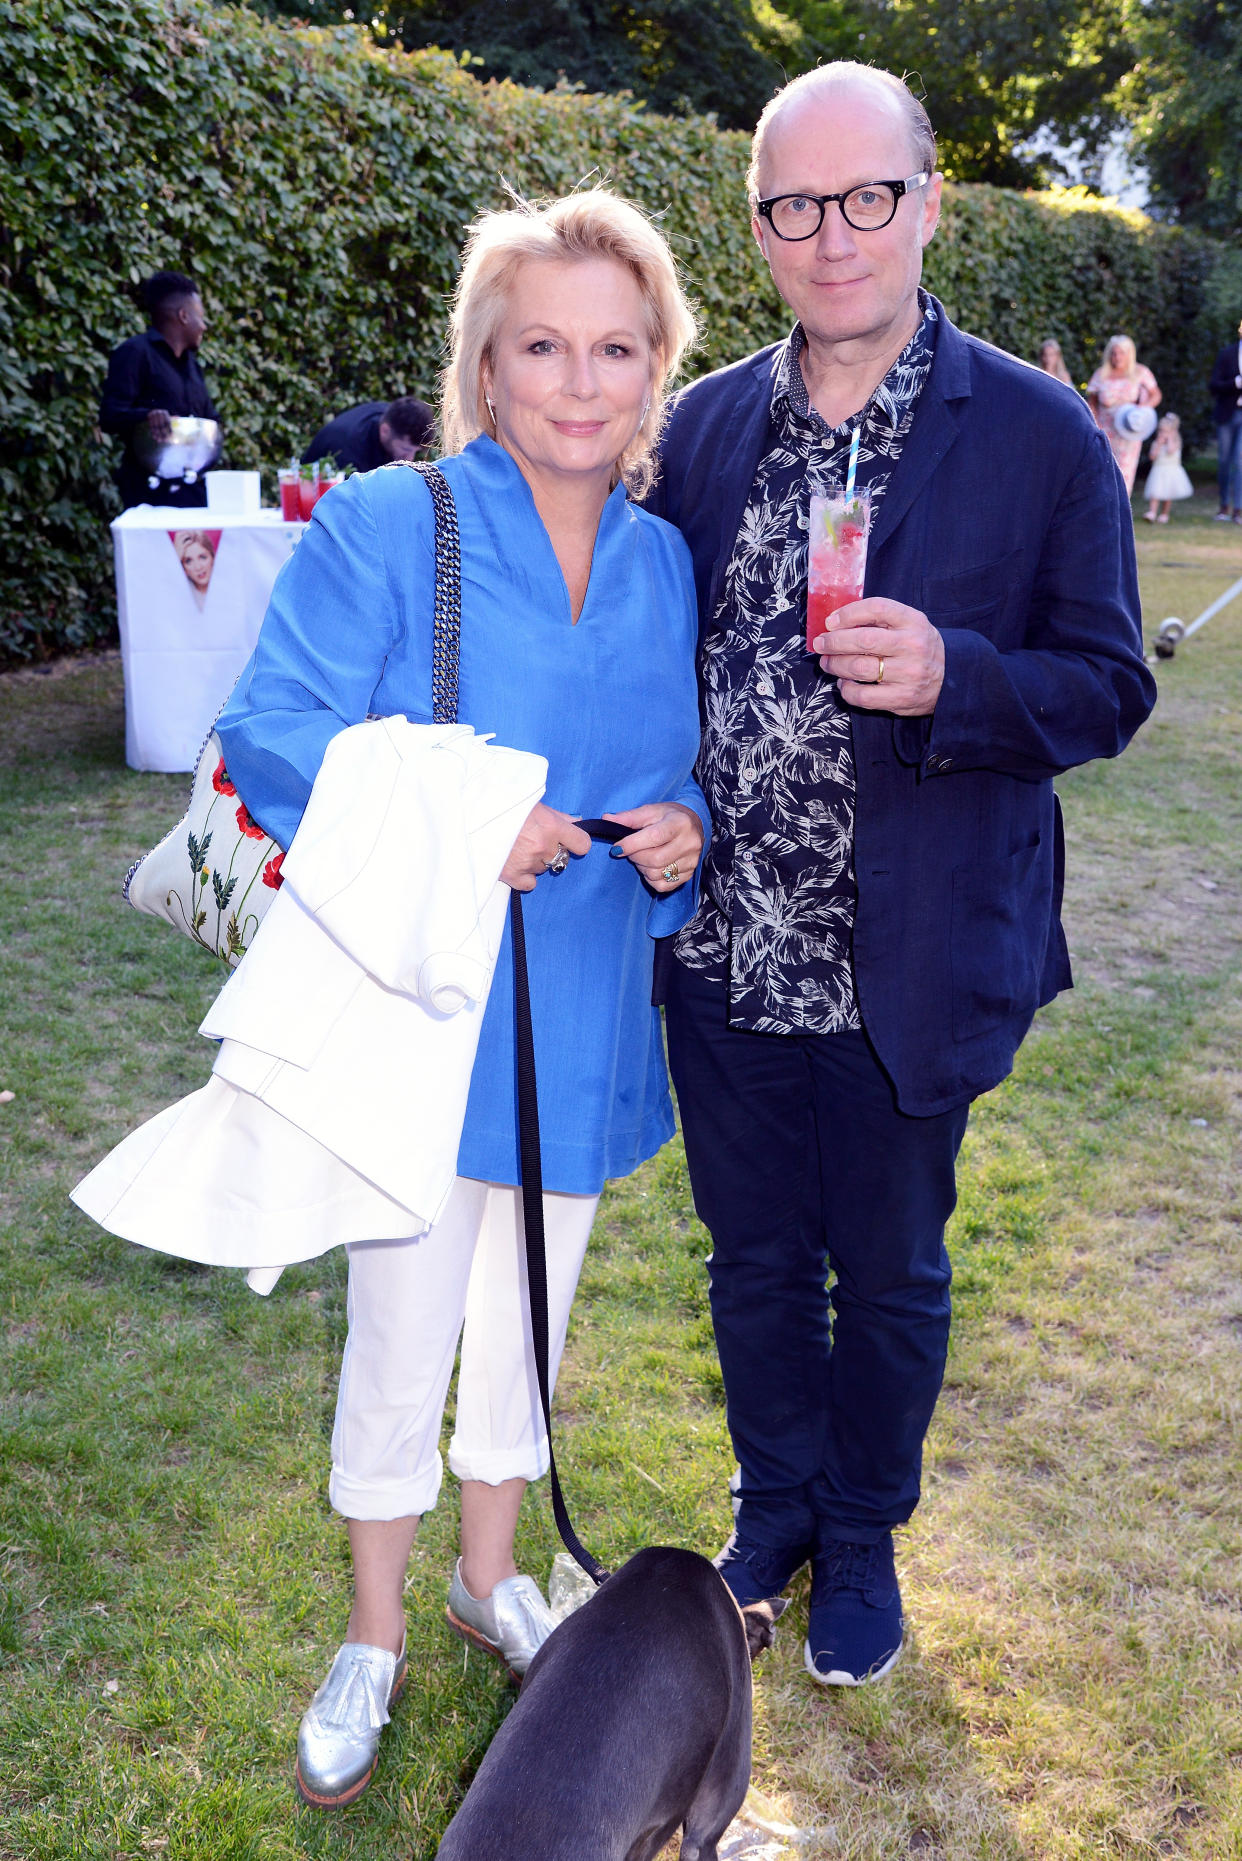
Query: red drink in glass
290, 502
308, 491
836, 557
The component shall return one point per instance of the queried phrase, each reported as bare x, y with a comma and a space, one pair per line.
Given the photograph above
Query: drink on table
329, 475
288, 477
836, 556
308, 489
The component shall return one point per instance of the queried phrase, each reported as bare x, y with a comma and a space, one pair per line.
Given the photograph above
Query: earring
491, 410
646, 411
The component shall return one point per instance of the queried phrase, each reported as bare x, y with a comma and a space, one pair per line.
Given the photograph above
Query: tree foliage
990, 73
1183, 97
680, 56
993, 75
318, 187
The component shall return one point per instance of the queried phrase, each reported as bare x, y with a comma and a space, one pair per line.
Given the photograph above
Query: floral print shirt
776, 764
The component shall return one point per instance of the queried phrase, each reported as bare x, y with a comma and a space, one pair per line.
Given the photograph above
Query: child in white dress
1167, 479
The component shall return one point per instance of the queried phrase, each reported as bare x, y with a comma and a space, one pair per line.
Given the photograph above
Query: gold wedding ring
879, 677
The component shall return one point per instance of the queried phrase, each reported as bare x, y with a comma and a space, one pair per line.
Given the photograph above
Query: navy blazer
1006, 522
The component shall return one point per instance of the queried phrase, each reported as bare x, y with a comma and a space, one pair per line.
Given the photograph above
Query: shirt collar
495, 471
887, 402
158, 342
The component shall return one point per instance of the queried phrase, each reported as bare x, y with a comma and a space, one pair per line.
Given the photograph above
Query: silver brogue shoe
512, 1623
340, 1731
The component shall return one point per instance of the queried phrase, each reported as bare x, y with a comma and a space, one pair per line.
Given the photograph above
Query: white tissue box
233, 494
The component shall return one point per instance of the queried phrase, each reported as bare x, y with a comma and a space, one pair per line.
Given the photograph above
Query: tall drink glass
836, 556
308, 490
290, 505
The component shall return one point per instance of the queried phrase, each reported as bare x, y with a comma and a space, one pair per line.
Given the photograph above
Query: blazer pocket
999, 928
971, 590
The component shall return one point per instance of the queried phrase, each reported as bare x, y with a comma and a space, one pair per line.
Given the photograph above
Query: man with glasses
879, 917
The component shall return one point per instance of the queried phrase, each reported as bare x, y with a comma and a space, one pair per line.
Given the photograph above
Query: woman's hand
666, 846
545, 835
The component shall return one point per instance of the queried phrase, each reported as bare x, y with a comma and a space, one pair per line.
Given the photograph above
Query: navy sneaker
854, 1632
756, 1572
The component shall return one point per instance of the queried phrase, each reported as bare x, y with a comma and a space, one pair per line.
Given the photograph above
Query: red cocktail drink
308, 491
290, 503
836, 557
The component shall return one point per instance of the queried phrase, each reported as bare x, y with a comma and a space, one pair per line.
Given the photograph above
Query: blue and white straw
853, 464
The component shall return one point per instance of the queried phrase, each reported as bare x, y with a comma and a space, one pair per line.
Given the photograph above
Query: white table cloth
192, 588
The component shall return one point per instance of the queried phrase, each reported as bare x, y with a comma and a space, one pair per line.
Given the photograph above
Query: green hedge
318, 188
1018, 267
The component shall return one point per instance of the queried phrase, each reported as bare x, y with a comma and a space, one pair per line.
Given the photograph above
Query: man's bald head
819, 87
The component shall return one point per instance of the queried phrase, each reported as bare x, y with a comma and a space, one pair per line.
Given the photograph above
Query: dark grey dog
633, 1722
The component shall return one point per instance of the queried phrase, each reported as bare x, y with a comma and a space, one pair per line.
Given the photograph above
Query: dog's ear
761, 1619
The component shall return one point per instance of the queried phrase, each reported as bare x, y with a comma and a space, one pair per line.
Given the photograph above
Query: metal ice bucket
193, 446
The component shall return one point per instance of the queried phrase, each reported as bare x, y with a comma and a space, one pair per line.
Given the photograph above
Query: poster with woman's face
196, 552
190, 603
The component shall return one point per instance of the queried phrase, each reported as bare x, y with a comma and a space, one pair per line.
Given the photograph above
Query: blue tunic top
611, 704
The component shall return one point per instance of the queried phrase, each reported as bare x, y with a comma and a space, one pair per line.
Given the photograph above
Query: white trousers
408, 1301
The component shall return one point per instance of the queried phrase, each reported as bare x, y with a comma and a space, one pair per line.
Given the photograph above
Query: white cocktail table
191, 589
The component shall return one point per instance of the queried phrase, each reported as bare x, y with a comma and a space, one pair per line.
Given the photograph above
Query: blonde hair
183, 538
591, 224
1121, 342
1060, 368
841, 75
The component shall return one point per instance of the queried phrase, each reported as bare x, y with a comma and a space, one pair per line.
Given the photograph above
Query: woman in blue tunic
577, 642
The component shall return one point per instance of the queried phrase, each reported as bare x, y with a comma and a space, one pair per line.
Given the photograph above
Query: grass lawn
172, 1583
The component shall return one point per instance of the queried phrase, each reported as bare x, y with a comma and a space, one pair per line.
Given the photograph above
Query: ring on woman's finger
671, 872
559, 860
879, 677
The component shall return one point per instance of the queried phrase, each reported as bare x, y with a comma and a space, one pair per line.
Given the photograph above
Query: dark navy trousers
801, 1165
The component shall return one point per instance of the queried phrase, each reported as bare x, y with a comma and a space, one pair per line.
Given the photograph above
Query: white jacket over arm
348, 1032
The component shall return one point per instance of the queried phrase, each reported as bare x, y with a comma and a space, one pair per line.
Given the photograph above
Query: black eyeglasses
866, 208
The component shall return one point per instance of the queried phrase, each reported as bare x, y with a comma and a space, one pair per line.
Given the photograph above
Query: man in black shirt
374, 434
152, 377
1225, 388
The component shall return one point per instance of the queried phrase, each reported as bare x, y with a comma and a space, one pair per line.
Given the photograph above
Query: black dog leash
532, 1198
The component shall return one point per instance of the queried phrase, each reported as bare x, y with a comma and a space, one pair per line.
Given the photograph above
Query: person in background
1226, 391
1053, 362
374, 434
153, 377
1168, 479
1121, 381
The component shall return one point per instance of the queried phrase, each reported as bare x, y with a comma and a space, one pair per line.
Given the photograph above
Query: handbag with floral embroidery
214, 875
216, 872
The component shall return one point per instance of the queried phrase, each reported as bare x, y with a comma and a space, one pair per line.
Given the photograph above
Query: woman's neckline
493, 454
